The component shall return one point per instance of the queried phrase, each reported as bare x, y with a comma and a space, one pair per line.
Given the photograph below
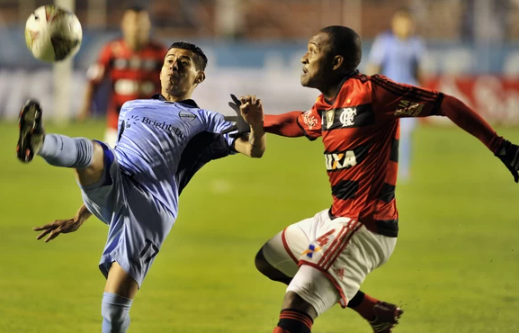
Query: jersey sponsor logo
309, 119
407, 108
311, 250
346, 159
338, 161
184, 115
129, 121
352, 116
164, 126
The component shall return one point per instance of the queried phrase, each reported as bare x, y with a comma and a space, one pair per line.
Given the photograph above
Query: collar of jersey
355, 72
188, 102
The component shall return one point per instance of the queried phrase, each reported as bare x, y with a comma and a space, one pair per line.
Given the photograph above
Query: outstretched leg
84, 155
120, 289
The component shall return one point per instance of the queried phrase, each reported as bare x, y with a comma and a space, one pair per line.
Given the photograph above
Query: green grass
455, 267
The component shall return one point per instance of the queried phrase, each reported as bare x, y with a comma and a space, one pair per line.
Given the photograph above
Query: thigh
284, 249
137, 232
346, 252
119, 282
106, 195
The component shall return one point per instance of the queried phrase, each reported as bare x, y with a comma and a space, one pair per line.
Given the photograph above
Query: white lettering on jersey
338, 161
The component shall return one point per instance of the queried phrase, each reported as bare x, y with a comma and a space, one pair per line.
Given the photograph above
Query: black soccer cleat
387, 316
31, 129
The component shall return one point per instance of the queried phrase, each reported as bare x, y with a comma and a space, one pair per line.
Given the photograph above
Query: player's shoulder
357, 82
139, 103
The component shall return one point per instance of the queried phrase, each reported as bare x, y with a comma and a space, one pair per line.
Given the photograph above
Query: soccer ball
53, 33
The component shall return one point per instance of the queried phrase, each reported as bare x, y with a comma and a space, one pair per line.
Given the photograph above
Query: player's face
402, 25
316, 64
179, 74
136, 27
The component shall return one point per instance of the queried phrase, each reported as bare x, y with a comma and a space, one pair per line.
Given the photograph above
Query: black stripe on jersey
413, 92
345, 189
393, 155
353, 116
387, 193
387, 228
343, 160
399, 89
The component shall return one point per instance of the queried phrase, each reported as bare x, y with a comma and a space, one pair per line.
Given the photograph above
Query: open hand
57, 227
252, 111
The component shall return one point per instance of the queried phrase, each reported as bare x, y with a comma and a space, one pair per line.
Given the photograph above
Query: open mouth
305, 71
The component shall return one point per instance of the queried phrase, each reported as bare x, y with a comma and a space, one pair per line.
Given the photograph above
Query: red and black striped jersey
360, 133
133, 74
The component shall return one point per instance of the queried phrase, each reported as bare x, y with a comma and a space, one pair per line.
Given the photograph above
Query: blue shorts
138, 224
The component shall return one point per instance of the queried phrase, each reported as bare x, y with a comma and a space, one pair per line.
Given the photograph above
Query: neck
134, 45
331, 90
170, 97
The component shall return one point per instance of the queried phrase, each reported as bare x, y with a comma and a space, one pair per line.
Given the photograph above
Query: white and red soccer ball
53, 33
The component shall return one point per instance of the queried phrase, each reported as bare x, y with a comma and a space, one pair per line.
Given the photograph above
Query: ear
337, 62
200, 77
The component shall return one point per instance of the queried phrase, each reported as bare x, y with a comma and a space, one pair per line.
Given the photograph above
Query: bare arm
253, 144
64, 226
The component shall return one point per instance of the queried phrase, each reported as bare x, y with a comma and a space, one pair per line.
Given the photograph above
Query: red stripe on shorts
354, 228
332, 247
287, 248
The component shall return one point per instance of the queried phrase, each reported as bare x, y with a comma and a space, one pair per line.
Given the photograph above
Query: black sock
356, 300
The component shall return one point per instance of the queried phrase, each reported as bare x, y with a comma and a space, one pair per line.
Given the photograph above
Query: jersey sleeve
216, 123
398, 100
378, 51
97, 71
310, 123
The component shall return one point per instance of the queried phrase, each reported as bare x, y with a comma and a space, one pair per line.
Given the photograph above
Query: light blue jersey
398, 58
161, 146
152, 137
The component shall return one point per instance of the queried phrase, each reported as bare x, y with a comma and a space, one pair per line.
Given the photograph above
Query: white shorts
110, 137
342, 250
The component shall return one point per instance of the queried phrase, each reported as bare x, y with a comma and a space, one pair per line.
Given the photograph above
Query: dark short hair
136, 8
200, 57
345, 42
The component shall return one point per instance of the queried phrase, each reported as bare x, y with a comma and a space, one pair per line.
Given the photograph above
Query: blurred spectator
131, 63
398, 54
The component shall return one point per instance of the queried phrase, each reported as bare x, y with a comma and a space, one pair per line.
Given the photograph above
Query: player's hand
508, 153
57, 227
251, 110
241, 124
